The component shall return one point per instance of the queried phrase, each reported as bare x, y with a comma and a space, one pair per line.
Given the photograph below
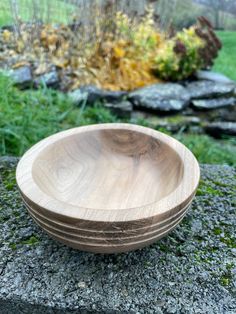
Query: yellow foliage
121, 54
179, 56
20, 46
6, 35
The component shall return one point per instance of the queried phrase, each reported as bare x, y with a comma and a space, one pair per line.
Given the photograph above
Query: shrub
120, 53
189, 50
179, 57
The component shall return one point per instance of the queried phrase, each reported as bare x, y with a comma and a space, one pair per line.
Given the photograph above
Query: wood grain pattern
105, 233
110, 184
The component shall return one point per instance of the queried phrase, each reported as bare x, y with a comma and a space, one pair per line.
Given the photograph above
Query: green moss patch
8, 178
205, 188
33, 240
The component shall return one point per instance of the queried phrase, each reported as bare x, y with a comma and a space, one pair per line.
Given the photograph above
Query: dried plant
110, 48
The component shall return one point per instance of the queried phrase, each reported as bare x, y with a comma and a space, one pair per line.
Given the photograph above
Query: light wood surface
111, 183
125, 232
104, 241
108, 248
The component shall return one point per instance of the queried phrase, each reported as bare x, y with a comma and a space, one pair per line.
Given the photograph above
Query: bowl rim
184, 191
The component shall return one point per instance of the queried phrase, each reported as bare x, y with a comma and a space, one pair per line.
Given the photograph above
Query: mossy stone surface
192, 270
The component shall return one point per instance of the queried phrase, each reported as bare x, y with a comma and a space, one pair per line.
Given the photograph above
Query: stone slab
219, 129
91, 94
193, 270
22, 77
209, 89
212, 104
165, 98
213, 76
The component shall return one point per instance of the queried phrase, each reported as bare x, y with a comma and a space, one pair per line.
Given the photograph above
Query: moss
224, 185
31, 241
163, 130
229, 241
206, 202
206, 189
9, 179
217, 231
163, 247
197, 257
201, 258
230, 266
13, 246
224, 281
178, 119
147, 264
16, 213
3, 218
225, 236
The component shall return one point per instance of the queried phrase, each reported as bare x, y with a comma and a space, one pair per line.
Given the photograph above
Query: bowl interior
108, 169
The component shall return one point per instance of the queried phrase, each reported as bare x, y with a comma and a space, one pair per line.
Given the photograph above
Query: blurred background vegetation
182, 13
28, 116
179, 13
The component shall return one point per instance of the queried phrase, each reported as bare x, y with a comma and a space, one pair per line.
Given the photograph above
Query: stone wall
209, 97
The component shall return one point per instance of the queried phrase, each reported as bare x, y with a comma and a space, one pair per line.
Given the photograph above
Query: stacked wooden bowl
108, 188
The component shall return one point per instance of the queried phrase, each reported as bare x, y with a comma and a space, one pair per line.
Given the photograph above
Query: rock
22, 77
170, 127
234, 92
92, 94
8, 161
166, 98
219, 129
208, 89
185, 124
227, 114
50, 79
213, 76
140, 115
192, 120
172, 124
121, 110
43, 276
209, 104
224, 114
78, 96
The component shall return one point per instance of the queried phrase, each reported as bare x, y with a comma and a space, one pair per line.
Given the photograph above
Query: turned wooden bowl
108, 188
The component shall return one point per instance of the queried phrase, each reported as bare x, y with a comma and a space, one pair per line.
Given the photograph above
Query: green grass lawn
49, 10
226, 62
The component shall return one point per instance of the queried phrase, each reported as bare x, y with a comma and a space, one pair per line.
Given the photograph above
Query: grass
26, 117
55, 11
226, 62
29, 116
209, 150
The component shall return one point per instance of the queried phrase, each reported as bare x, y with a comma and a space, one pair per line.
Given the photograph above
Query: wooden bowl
104, 234
108, 188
